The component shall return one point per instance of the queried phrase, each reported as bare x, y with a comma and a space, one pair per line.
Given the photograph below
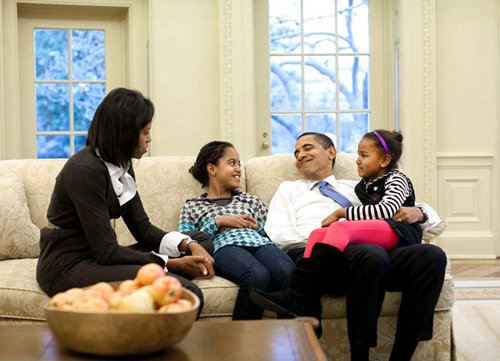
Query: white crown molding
226, 68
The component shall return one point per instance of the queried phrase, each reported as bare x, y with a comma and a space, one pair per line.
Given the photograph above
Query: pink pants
340, 234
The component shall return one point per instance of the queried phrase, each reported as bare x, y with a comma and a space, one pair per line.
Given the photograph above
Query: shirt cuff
433, 219
163, 257
170, 243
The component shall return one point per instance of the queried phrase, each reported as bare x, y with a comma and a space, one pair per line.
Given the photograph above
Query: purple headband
382, 141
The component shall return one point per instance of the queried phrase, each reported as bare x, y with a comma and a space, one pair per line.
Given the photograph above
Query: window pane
353, 26
321, 123
352, 128
87, 52
286, 83
86, 99
52, 146
354, 82
319, 26
51, 54
285, 128
79, 142
284, 26
52, 107
320, 82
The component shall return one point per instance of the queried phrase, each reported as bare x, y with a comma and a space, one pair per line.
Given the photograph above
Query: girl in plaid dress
234, 220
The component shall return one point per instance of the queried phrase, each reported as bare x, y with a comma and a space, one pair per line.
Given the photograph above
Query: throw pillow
19, 237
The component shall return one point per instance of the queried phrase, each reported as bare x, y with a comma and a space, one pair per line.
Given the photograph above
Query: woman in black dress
79, 247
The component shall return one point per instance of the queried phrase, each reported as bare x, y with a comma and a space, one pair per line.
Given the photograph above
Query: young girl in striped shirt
383, 190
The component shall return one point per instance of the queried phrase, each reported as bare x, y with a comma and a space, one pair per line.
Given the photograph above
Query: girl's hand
239, 221
334, 217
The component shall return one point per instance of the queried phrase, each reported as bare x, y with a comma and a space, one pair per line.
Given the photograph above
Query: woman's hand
239, 221
206, 267
334, 217
193, 266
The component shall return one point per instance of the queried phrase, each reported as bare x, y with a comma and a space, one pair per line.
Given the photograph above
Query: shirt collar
331, 180
115, 171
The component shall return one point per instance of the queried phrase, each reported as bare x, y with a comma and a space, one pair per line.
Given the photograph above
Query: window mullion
70, 75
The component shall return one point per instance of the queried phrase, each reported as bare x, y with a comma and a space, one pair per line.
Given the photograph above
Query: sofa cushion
20, 296
220, 295
18, 235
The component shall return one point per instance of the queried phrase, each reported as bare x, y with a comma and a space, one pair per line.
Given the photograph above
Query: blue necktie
333, 194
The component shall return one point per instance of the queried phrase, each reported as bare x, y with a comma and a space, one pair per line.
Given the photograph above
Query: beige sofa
164, 184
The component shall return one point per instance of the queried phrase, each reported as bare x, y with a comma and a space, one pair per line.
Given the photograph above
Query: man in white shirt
368, 271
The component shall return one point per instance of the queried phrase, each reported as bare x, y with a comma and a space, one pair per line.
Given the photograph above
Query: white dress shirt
125, 188
297, 208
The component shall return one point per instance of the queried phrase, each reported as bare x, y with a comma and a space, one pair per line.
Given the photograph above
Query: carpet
476, 320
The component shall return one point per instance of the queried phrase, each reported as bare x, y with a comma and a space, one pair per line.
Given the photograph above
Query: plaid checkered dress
198, 214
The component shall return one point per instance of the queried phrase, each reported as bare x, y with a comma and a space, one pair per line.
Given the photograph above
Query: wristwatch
426, 215
186, 248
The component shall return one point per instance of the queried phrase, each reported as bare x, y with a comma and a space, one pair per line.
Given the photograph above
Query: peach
128, 286
148, 273
139, 300
166, 289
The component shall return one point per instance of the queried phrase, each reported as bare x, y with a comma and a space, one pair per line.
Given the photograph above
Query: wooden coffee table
279, 340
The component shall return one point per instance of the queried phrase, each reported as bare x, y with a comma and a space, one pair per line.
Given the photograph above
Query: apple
91, 304
115, 299
105, 290
166, 289
139, 300
148, 273
128, 286
171, 308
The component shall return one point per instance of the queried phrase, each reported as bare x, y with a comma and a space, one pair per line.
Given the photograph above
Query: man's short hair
323, 139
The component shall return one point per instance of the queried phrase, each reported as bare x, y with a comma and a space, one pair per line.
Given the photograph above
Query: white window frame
382, 84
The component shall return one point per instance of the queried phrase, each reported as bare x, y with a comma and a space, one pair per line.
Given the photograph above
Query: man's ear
332, 152
386, 160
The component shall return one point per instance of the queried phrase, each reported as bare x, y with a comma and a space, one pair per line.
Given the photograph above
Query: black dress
79, 247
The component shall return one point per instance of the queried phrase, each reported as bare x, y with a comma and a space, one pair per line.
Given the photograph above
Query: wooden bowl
121, 333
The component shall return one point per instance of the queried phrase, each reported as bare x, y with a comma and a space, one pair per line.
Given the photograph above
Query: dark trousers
267, 268
417, 271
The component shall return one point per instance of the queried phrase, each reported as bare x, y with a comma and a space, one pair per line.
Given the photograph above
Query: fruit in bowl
124, 318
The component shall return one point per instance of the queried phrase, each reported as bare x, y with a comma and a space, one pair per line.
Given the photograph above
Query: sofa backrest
265, 174
164, 184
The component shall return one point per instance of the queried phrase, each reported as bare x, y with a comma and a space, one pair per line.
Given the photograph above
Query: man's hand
192, 266
408, 215
334, 217
206, 268
240, 221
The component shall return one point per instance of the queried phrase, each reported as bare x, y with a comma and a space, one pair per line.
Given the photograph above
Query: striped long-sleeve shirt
382, 197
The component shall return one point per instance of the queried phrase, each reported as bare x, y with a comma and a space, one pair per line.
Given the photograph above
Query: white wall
468, 125
202, 82
184, 77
